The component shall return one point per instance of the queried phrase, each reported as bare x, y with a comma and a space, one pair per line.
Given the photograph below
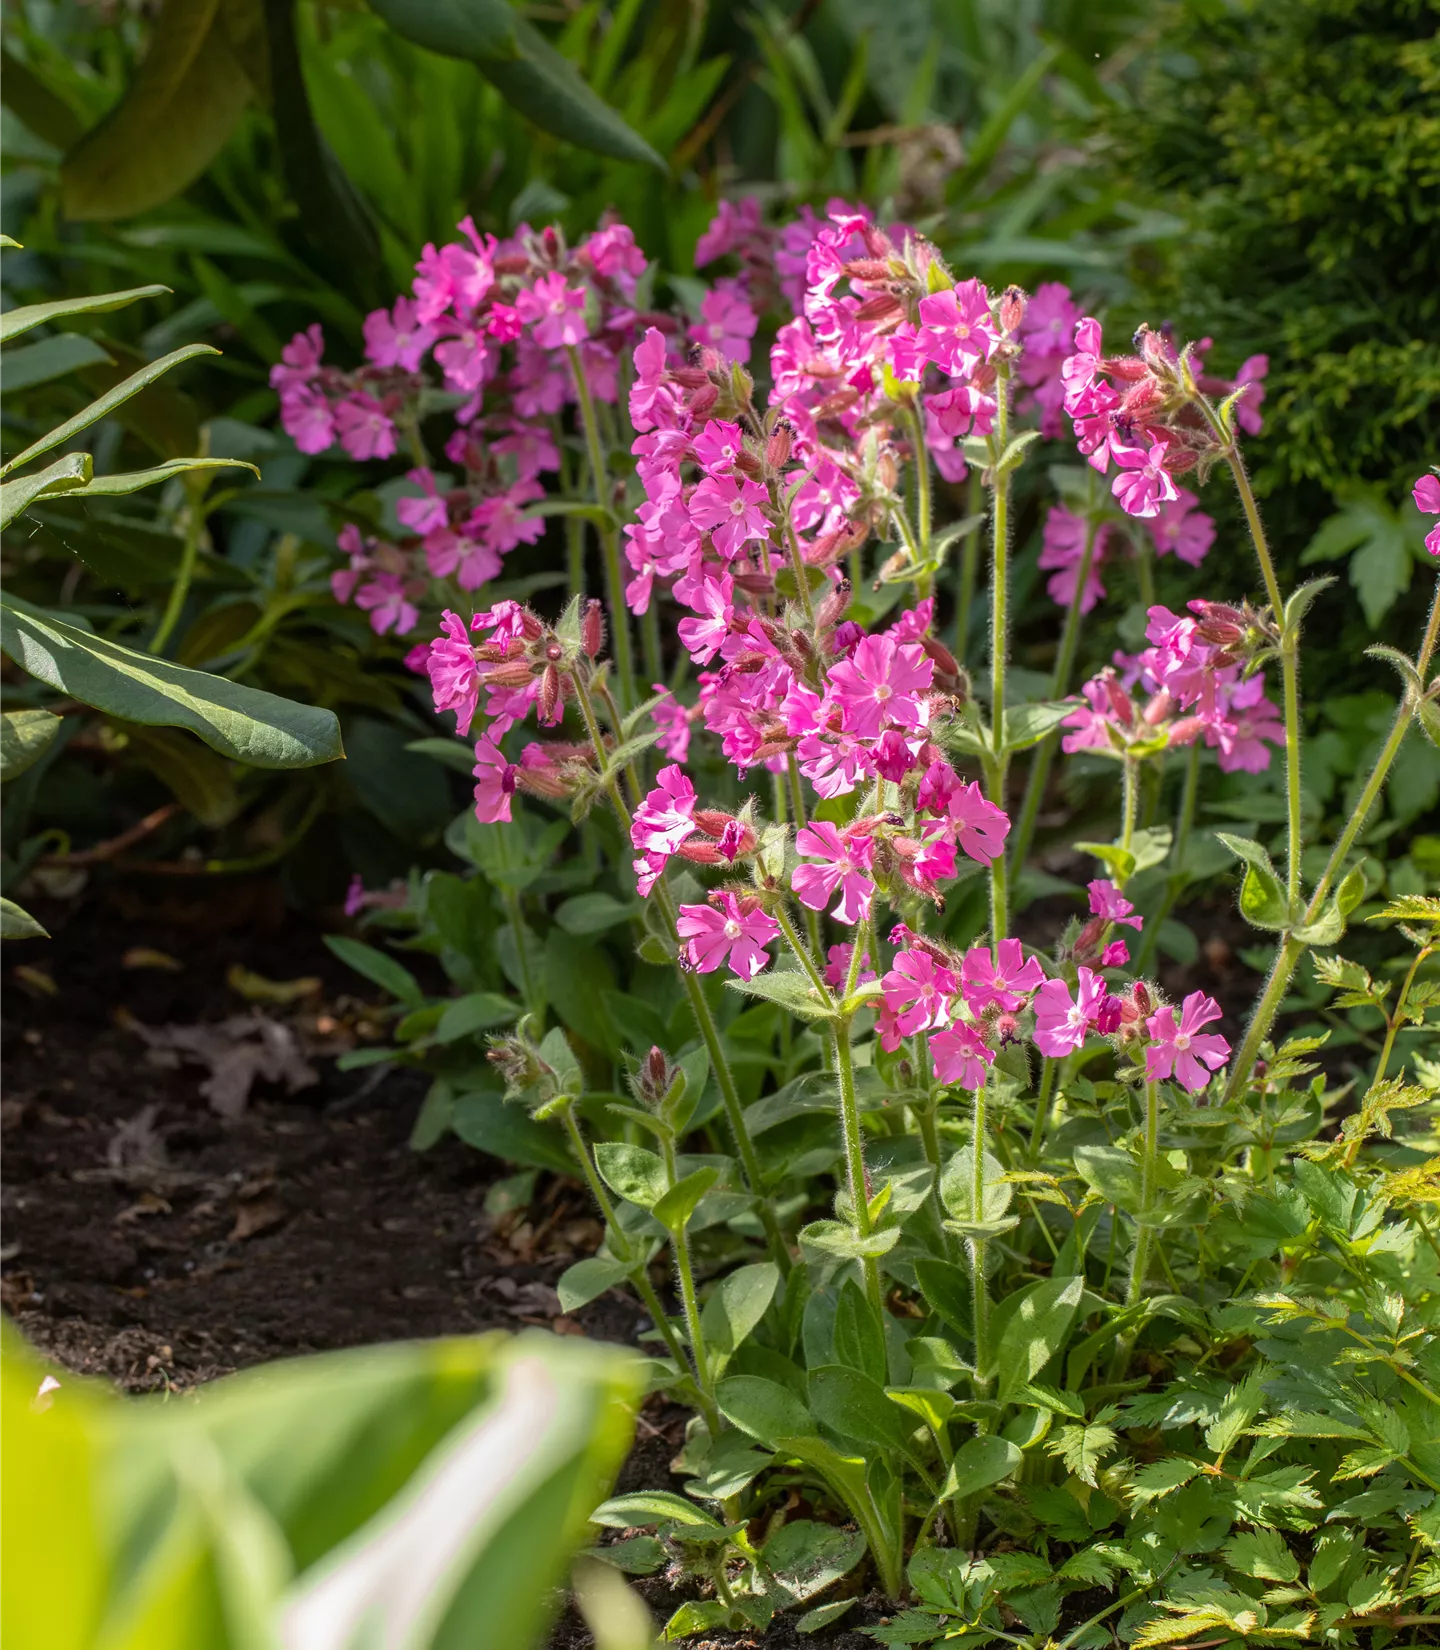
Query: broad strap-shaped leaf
51, 358
523, 67
243, 723
172, 120
132, 481
25, 736
16, 321
17, 924
106, 404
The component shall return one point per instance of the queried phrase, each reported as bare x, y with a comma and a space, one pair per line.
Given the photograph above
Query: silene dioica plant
1000, 1282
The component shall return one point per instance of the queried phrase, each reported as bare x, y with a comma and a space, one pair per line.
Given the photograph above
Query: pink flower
727, 324
454, 674
961, 1055
652, 401
1247, 410
555, 311
1242, 729
501, 520
728, 508
614, 256
1184, 1049
846, 860
427, 513
737, 933
364, 427
918, 992
1004, 977
661, 823
1115, 955
1427, 498
496, 783
1063, 547
959, 330
673, 721
396, 338
979, 827
1184, 528
704, 636
837, 967
882, 682
1107, 901
299, 360
733, 222
387, 600
717, 447
1143, 485
1061, 1023
308, 419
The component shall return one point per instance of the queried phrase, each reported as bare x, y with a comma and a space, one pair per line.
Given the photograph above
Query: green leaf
806, 1557
65, 475
1263, 903
764, 1409
484, 1119
25, 736
523, 67
16, 321
824, 1615
850, 1403
200, 781
858, 1335
1036, 1332
675, 1208
586, 1279
433, 1120
243, 723
1027, 725
979, 1463
51, 358
132, 481
736, 1307
173, 119
475, 1012
834, 1237
1303, 599
1084, 1446
378, 966
1111, 1171
957, 1191
789, 988
1262, 1555
106, 404
450, 753
17, 923
946, 1288
594, 913
632, 1172
638, 1555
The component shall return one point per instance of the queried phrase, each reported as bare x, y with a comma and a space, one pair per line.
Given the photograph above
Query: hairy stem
1184, 823
979, 1293
968, 570
609, 537
856, 1179
999, 642
923, 507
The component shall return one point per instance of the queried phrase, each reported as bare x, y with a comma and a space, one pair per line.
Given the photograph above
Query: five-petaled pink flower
729, 509
1004, 977
496, 783
837, 967
1107, 901
661, 823
958, 329
1143, 484
918, 992
1185, 1050
1062, 1022
1427, 498
961, 1055
736, 932
882, 682
556, 311
979, 827
845, 863
727, 323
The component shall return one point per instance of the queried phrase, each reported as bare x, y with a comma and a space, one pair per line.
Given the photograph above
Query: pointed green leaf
25, 736
18, 924
66, 475
16, 321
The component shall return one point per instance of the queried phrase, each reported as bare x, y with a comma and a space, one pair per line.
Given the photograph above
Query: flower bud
515, 674
1158, 710
833, 405
753, 583
868, 269
779, 445
592, 628
549, 702
749, 465
1012, 308
1107, 1021
832, 609
947, 669
702, 402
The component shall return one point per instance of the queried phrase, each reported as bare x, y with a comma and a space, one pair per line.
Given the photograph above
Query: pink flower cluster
1427, 500
1138, 410
1194, 677
1180, 526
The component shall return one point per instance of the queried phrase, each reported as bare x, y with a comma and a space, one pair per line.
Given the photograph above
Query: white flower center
1182, 1042
737, 506
732, 930
884, 691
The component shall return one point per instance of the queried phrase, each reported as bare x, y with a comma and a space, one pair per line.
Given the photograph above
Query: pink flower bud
592, 628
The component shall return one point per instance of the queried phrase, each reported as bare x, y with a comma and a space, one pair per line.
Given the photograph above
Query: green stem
999, 643
1392, 1024
1184, 823
1290, 952
690, 1304
923, 506
1042, 1108
184, 574
1129, 801
802, 952
609, 537
979, 1293
1145, 1231
1059, 687
855, 1176
511, 897
575, 555
969, 570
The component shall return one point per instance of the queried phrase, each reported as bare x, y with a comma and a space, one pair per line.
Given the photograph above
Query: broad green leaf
243, 723
186, 96
858, 1335
806, 1557
17, 923
736, 1306
632, 1172
51, 358
847, 1478
850, 1403
946, 1288
957, 1191
1112, 1172
1263, 903
16, 321
523, 67
1381, 543
835, 1237
106, 404
378, 966
1262, 1555
586, 1279
594, 913
763, 1408
199, 780
791, 990
478, 1011
979, 1463
484, 1119
1027, 725
25, 736
1036, 1331
644, 1507
65, 475
675, 1208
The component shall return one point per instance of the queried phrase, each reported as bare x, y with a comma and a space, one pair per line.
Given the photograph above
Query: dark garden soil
152, 1240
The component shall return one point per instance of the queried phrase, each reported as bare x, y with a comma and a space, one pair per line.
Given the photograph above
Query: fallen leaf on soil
135, 1155
148, 1203
255, 988
238, 1051
144, 956
523, 1300
258, 1216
